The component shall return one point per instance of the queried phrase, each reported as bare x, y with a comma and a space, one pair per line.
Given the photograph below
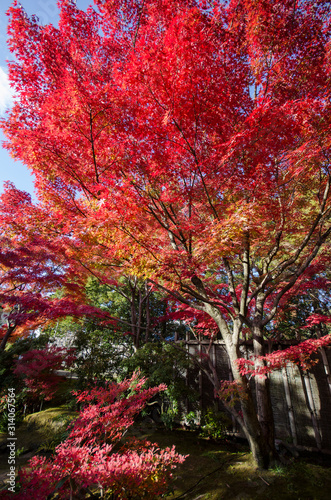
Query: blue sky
47, 11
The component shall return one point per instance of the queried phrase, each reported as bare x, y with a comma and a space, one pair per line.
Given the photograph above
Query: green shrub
214, 424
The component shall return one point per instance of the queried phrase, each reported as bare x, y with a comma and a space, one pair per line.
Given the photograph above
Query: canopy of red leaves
301, 355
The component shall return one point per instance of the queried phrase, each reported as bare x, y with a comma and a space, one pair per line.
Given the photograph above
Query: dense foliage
94, 460
185, 146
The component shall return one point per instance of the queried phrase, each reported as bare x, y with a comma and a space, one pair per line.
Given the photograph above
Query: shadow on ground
213, 471
226, 471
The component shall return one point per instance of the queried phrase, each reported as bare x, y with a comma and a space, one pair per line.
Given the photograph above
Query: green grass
213, 471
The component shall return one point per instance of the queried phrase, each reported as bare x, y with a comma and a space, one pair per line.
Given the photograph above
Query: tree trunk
257, 422
4, 341
262, 448
256, 431
263, 396
148, 315
134, 329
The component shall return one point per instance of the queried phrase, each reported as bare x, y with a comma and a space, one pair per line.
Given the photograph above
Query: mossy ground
39, 431
213, 471
226, 470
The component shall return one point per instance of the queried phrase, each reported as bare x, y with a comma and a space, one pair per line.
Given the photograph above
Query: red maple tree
38, 284
187, 143
37, 368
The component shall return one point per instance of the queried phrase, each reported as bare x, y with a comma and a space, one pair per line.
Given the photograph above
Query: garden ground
213, 471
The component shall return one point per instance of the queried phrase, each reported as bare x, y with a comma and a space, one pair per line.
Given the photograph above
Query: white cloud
6, 93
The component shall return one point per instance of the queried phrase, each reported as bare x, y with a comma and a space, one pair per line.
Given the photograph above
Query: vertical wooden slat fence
301, 400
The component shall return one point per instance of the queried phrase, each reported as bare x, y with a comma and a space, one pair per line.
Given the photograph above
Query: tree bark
257, 422
4, 341
263, 396
261, 444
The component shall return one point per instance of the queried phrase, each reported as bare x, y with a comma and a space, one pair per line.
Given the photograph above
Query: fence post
289, 406
326, 367
311, 406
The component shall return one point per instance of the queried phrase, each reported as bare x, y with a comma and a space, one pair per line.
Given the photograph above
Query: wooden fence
301, 400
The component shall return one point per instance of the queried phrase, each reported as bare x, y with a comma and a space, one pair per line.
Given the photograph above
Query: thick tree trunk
257, 425
261, 443
263, 396
5, 339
